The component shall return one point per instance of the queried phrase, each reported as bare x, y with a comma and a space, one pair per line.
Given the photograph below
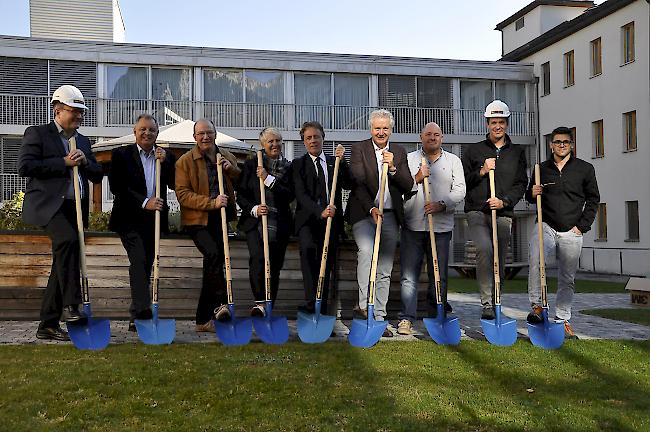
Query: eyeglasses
75, 111
562, 143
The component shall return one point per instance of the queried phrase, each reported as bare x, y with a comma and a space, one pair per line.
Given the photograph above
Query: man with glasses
569, 201
46, 158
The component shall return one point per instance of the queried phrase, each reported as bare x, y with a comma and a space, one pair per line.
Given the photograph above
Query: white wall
552, 16
621, 176
90, 20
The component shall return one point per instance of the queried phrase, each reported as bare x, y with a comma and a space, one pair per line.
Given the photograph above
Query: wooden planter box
25, 261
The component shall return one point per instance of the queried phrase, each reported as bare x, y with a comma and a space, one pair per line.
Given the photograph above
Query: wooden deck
25, 261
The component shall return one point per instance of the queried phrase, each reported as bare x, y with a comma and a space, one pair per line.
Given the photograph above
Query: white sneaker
405, 327
222, 313
258, 311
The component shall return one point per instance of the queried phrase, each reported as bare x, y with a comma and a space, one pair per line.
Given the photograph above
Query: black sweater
510, 176
570, 198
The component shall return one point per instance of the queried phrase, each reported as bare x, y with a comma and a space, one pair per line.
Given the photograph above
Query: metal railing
11, 184
28, 110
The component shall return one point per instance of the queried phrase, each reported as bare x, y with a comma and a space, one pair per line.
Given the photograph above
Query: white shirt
446, 183
149, 165
323, 164
379, 155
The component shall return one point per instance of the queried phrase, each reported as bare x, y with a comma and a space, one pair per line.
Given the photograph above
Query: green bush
11, 212
98, 221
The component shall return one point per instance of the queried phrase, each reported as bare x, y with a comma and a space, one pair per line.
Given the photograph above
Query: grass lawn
636, 316
396, 386
520, 285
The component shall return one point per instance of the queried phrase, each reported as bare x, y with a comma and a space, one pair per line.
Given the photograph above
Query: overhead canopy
179, 135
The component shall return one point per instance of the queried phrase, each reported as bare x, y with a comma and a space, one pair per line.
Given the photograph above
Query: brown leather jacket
193, 191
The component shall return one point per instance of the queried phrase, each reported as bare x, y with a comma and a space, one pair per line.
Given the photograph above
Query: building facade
594, 76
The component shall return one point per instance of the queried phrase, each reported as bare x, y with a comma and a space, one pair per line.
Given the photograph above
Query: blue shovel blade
443, 330
501, 332
366, 333
95, 334
315, 328
156, 331
234, 332
547, 335
272, 330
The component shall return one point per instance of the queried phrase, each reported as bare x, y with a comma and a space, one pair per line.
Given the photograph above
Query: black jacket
510, 176
128, 185
41, 160
307, 191
570, 198
248, 196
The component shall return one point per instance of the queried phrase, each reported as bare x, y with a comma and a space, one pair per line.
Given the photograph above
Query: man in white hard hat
498, 153
46, 159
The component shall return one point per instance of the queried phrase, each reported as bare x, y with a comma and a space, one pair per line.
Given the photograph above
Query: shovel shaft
328, 231
495, 246
80, 226
156, 247
265, 234
224, 233
432, 237
375, 248
540, 241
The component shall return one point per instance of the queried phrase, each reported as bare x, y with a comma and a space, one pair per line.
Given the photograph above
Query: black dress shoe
387, 333
448, 308
52, 333
488, 313
359, 313
144, 315
132, 327
72, 314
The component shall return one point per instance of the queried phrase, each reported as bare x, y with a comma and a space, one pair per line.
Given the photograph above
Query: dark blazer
365, 174
129, 187
306, 188
248, 196
41, 160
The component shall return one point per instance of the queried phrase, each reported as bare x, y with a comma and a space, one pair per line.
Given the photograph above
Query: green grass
396, 386
520, 285
636, 316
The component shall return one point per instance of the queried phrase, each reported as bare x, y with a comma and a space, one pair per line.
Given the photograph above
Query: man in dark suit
312, 181
363, 207
46, 158
132, 180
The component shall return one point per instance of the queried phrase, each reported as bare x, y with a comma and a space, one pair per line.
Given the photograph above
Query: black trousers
139, 246
277, 250
64, 285
311, 238
208, 239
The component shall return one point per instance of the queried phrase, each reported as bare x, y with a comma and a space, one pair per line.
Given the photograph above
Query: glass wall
265, 99
171, 92
223, 91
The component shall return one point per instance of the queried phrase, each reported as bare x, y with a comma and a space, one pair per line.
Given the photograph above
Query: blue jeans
414, 245
364, 236
565, 249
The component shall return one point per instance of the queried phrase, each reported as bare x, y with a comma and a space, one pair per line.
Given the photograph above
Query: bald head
204, 134
431, 138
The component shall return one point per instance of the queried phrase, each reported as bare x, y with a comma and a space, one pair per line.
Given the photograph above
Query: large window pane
514, 95
171, 91
223, 91
434, 96
127, 91
264, 96
474, 97
313, 93
351, 97
397, 94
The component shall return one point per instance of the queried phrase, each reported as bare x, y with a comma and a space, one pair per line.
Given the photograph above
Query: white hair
269, 131
381, 113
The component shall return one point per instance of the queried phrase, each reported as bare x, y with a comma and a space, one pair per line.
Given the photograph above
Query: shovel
156, 331
272, 330
317, 328
233, 332
366, 333
442, 329
545, 335
502, 332
90, 334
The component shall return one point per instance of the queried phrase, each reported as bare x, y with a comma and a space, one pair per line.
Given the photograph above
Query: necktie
322, 182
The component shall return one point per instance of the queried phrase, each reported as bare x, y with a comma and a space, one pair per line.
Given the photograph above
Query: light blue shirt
148, 160
69, 192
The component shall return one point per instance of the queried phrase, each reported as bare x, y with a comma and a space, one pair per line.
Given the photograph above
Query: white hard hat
497, 108
70, 96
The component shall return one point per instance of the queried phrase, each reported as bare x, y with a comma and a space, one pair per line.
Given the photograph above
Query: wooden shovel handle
265, 234
328, 230
80, 226
156, 243
432, 236
224, 232
540, 241
375, 248
495, 245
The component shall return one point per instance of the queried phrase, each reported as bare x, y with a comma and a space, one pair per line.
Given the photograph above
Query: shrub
98, 221
11, 213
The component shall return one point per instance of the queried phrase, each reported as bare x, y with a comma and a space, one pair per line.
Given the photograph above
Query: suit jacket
307, 191
41, 160
128, 185
363, 167
248, 196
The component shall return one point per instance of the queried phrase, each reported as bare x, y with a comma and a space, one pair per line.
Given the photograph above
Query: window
351, 98
265, 96
474, 97
547, 145
546, 78
519, 24
126, 82
632, 217
601, 221
569, 72
574, 132
629, 128
171, 92
223, 93
313, 93
598, 139
627, 35
596, 57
